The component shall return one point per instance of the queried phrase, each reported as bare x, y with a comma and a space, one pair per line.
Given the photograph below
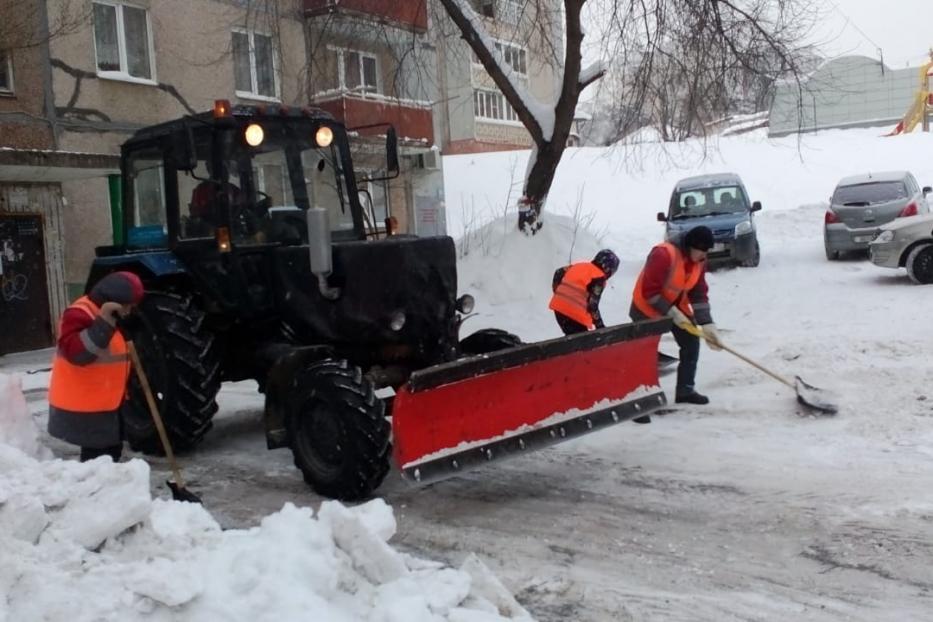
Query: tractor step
462, 414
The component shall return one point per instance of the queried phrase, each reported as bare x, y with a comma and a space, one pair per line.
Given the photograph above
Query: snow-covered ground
746, 509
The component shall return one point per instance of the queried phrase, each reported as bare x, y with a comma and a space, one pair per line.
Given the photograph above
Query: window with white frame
122, 41
357, 71
6, 73
493, 106
515, 57
254, 65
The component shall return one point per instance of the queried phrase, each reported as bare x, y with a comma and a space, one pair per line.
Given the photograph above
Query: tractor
263, 259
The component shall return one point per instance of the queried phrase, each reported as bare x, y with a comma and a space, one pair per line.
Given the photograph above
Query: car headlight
884, 236
743, 227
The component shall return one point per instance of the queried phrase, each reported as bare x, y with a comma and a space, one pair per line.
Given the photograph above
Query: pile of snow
86, 541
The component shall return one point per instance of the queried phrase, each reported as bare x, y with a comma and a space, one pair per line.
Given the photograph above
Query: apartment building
473, 113
69, 101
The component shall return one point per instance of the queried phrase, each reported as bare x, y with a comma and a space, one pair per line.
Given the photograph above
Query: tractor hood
397, 298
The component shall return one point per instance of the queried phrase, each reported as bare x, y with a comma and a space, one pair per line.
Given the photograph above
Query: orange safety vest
96, 387
676, 285
571, 296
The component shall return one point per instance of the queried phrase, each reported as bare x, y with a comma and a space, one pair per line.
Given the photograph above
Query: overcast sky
903, 29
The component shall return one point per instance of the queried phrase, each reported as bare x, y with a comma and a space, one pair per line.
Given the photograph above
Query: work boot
643, 419
691, 398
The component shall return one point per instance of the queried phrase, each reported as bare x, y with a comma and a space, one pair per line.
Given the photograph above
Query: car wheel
920, 264
830, 253
755, 259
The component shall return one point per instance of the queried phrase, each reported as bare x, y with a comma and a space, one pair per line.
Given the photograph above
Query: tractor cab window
146, 186
280, 179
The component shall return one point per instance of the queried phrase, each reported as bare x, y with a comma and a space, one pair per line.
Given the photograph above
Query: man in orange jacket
577, 290
673, 284
92, 367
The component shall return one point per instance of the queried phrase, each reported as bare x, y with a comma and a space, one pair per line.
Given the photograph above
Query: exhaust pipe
321, 251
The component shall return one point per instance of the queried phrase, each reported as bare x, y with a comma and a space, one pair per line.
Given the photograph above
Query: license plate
863, 238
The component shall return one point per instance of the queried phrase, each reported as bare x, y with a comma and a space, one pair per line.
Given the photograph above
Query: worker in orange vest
577, 290
91, 368
673, 284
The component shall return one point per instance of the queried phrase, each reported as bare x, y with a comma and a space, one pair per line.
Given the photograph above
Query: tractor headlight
397, 321
254, 135
884, 236
324, 136
465, 303
743, 227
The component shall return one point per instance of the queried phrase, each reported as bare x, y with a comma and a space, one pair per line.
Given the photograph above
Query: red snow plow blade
459, 415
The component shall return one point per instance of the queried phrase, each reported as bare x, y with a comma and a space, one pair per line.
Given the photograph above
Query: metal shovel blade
813, 397
182, 494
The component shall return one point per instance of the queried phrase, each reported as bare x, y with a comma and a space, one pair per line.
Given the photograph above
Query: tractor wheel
182, 361
920, 264
338, 431
488, 340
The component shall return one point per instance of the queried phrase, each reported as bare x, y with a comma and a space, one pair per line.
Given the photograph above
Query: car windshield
708, 202
870, 193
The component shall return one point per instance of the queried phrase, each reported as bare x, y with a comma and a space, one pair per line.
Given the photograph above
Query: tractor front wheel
338, 431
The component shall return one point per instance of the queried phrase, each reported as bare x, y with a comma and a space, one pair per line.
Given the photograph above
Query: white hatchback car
906, 243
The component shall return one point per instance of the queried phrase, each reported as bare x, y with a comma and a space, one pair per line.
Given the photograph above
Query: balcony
412, 120
409, 14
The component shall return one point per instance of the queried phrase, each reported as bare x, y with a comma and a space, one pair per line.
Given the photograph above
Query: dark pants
89, 453
689, 355
570, 327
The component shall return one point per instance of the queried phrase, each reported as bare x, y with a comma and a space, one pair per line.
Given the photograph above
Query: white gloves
679, 318
712, 336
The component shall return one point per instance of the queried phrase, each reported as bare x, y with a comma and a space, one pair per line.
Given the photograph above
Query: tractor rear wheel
182, 361
338, 431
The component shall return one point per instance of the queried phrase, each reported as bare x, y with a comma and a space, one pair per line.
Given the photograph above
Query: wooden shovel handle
154, 411
696, 330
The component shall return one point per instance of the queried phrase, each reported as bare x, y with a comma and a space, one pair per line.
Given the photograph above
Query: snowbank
86, 541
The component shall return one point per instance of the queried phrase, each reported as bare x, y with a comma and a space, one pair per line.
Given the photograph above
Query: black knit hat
122, 287
700, 238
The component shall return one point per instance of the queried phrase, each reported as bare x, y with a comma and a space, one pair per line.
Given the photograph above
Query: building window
492, 105
254, 65
6, 73
503, 10
514, 56
357, 71
123, 41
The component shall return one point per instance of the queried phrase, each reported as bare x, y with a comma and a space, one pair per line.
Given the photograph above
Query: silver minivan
862, 203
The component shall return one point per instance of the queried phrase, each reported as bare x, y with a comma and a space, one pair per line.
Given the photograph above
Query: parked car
861, 204
721, 203
906, 243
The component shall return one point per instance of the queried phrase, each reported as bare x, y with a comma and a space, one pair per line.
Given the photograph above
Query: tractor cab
241, 177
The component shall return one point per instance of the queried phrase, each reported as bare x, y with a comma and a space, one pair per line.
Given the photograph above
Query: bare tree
683, 60
30, 23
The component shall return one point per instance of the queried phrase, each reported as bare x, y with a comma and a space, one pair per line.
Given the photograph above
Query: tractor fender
148, 266
278, 388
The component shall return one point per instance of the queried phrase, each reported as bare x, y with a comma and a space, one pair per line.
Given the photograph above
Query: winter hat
122, 287
607, 261
700, 238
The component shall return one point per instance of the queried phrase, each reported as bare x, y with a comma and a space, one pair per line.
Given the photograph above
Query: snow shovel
179, 492
807, 394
